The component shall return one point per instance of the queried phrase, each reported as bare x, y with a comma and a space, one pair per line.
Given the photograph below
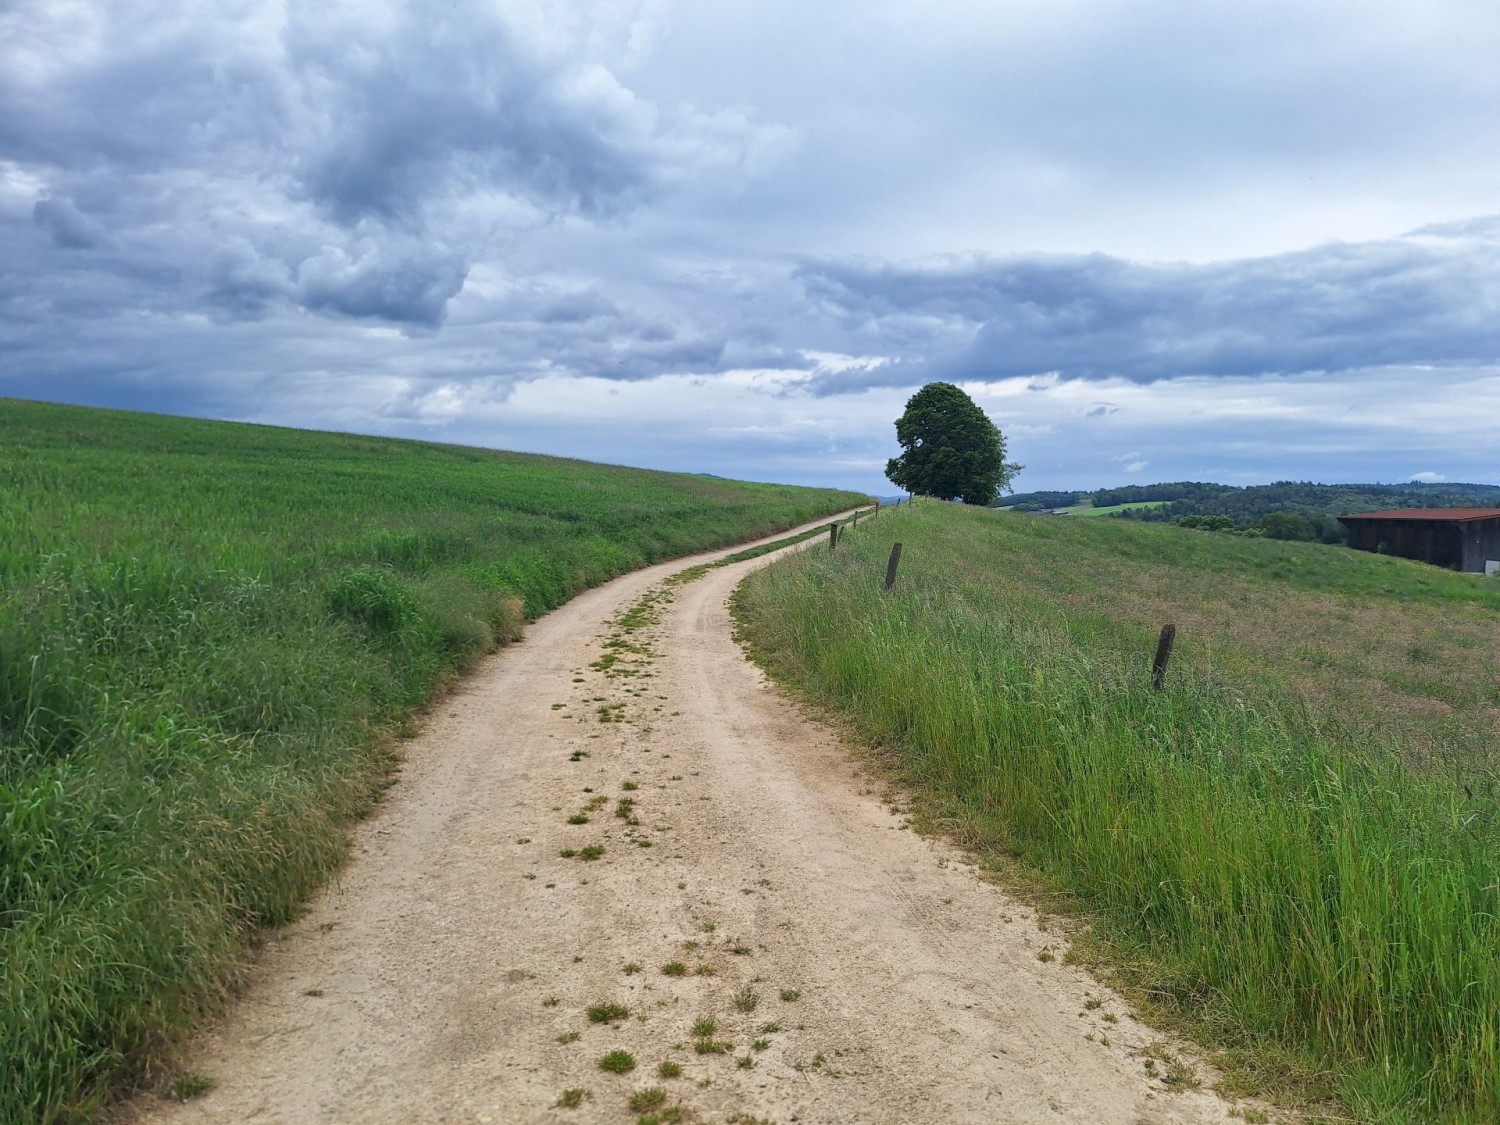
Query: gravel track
866, 974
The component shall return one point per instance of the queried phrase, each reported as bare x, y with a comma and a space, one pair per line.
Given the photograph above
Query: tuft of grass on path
1300, 836
210, 635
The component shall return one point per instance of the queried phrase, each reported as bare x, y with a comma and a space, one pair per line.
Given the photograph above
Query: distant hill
1318, 503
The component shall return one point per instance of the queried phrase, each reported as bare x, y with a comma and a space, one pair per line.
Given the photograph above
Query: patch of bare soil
618, 840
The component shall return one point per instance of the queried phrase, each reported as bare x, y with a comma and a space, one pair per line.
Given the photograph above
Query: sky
1153, 239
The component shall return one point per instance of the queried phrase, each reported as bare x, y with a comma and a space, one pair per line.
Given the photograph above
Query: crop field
1111, 509
1292, 851
210, 636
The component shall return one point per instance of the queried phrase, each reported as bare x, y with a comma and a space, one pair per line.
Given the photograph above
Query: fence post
1163, 654
890, 567
833, 537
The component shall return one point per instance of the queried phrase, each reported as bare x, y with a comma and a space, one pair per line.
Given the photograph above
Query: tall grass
208, 633
1303, 881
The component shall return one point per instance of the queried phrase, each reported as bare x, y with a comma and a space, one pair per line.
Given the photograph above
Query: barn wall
1434, 542
1481, 544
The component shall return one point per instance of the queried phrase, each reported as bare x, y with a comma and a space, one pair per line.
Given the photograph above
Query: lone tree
949, 448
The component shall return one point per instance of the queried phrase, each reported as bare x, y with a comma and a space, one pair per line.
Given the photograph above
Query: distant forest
1318, 504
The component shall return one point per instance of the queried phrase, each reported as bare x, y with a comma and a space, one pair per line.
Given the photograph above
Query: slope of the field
1294, 848
208, 635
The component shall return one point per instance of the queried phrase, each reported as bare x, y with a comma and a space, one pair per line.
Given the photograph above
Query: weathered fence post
855, 522
833, 536
1163, 654
890, 567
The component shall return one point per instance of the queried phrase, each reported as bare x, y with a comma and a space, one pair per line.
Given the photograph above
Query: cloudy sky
1154, 239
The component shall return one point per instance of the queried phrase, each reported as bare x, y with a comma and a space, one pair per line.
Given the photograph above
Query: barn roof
1447, 514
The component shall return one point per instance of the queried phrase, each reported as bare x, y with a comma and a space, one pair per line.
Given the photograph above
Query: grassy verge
208, 633
1296, 846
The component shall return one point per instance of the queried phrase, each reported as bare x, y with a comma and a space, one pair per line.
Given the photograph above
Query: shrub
1286, 525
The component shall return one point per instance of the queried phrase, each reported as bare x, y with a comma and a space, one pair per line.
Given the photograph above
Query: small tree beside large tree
949, 448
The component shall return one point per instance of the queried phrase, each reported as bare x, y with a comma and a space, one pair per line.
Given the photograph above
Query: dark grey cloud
402, 284
241, 283
435, 104
244, 158
69, 227
1432, 297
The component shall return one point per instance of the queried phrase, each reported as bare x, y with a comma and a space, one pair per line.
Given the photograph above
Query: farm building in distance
1465, 539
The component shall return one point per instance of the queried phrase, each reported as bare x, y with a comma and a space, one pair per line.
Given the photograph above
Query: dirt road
852, 971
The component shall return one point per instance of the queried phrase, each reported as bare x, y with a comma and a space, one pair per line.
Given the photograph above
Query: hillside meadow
1088, 510
1292, 851
210, 635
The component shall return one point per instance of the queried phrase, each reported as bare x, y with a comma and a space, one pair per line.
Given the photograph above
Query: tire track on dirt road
618, 837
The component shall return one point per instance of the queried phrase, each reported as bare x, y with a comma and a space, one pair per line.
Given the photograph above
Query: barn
1465, 539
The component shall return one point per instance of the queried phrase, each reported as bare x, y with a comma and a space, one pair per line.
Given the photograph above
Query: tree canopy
949, 448
1247, 506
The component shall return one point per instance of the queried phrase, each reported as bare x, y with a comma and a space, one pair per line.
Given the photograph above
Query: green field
209, 636
1292, 852
1111, 509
